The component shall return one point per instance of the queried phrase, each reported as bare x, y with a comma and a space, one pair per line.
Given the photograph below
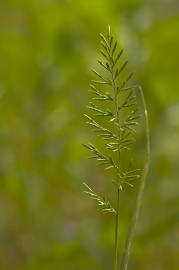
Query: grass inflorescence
113, 114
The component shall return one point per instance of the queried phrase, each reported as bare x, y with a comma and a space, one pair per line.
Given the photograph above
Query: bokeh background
46, 50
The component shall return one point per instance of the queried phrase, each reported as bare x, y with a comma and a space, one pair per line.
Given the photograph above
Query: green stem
132, 228
116, 233
118, 171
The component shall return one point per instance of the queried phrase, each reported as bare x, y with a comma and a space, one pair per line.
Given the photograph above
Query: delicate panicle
118, 135
114, 105
113, 115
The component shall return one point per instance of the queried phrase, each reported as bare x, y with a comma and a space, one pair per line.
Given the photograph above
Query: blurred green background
46, 50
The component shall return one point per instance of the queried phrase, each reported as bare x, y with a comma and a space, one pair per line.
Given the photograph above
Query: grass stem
135, 217
116, 232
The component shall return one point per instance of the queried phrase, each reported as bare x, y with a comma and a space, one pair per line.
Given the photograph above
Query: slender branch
131, 232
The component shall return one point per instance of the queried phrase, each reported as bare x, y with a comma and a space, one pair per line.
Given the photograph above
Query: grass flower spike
113, 114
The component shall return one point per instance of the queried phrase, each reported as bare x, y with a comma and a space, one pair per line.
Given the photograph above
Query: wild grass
114, 114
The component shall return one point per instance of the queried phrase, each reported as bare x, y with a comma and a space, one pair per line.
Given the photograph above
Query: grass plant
114, 115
